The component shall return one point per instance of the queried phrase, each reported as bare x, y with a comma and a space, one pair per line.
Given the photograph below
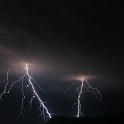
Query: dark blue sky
63, 39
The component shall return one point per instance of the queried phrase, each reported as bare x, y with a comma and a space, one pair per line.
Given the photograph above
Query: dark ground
107, 119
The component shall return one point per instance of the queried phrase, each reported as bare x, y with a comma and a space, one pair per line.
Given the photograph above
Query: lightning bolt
35, 94
85, 84
93, 90
79, 102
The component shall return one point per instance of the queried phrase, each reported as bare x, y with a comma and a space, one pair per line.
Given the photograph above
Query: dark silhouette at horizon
106, 119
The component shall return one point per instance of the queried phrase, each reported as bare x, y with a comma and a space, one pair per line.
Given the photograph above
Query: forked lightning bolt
44, 111
35, 94
95, 91
79, 102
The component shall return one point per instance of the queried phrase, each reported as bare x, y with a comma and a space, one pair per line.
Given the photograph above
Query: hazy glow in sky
64, 42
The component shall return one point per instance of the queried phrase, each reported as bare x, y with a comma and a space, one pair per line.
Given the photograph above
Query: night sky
62, 40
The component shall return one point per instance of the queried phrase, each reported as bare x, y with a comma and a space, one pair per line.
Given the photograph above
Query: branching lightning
42, 108
96, 92
85, 84
93, 90
69, 88
35, 94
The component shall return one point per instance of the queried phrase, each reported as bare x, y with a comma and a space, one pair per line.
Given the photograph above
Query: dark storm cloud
68, 38
63, 40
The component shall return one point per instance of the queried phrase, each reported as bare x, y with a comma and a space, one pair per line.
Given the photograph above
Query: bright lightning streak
89, 88
35, 94
95, 91
79, 103
40, 101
